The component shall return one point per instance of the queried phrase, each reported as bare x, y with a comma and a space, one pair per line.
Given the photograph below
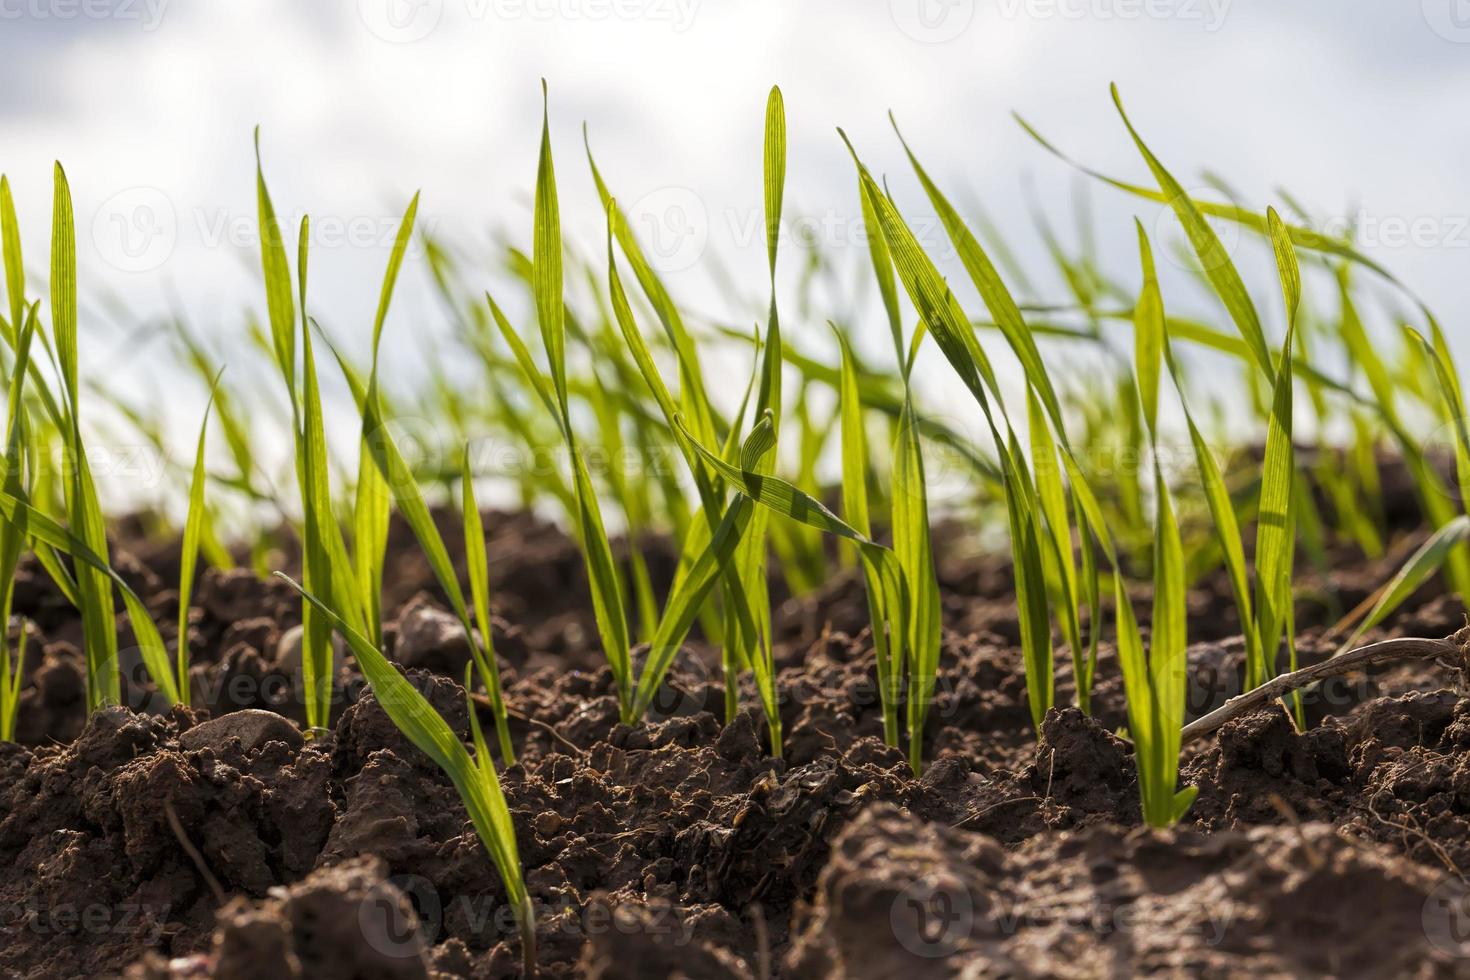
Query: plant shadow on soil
165, 845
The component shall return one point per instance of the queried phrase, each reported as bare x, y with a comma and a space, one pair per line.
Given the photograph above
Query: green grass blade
627, 491
855, 511
15, 275
13, 534
1276, 523
912, 545
775, 493
694, 401
1225, 522
775, 171
1453, 401
1150, 333
793, 503
12, 675
1214, 258
602, 571
1167, 655
951, 329
84, 510
479, 573
993, 292
189, 555
1052, 497
539, 383
371, 503
547, 264
277, 271
371, 511
476, 782
882, 263
150, 642
1302, 237
687, 597
64, 287
318, 569
1416, 571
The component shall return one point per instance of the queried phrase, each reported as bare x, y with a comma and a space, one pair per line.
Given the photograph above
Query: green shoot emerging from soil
621, 368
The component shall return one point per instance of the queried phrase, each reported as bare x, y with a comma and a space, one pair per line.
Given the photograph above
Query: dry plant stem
483, 701
1451, 650
178, 828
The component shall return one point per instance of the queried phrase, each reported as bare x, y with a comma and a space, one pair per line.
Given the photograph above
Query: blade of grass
1213, 256
276, 270
1276, 523
371, 504
686, 598
189, 555
693, 400
475, 781
607, 598
912, 545
317, 669
84, 512
1223, 517
150, 642
855, 510
1416, 571
946, 322
479, 573
1052, 496
15, 276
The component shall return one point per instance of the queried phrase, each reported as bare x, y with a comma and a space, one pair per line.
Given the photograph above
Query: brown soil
161, 845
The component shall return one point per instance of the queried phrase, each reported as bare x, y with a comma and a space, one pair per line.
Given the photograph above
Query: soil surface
218, 842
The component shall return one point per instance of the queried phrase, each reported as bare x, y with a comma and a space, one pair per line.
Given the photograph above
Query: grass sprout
474, 777
1155, 683
624, 369
189, 555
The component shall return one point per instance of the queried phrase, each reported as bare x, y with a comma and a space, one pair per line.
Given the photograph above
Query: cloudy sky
1356, 109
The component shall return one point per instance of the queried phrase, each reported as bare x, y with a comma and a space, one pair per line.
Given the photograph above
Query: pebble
288, 651
252, 726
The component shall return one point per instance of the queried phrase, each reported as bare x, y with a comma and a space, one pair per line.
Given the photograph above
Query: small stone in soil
251, 726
